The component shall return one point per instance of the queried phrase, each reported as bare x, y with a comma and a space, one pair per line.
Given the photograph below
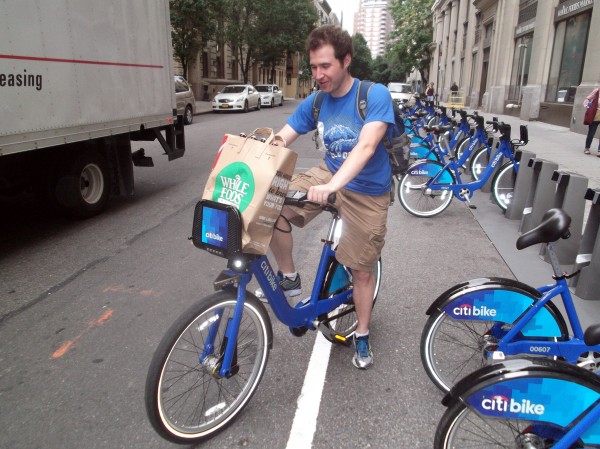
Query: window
567, 58
520, 67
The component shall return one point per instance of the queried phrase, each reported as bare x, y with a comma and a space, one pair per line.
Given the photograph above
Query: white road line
305, 420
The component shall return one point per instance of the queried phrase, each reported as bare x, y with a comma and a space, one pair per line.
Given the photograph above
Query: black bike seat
591, 337
555, 225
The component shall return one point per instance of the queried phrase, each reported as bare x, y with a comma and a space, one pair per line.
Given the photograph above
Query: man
356, 167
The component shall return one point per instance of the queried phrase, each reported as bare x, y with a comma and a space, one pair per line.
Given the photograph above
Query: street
85, 303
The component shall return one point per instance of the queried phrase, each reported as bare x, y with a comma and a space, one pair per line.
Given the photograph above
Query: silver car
400, 92
186, 103
270, 94
236, 97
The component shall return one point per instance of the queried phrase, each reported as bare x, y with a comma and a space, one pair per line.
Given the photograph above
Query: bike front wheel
462, 427
418, 199
503, 185
346, 321
451, 349
187, 401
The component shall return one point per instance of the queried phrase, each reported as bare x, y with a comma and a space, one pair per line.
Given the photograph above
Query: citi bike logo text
270, 275
419, 172
468, 310
213, 236
496, 159
503, 404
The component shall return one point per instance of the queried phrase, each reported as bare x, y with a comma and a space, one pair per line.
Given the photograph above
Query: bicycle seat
555, 225
591, 337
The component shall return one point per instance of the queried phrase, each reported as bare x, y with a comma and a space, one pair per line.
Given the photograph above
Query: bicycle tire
461, 147
469, 423
186, 402
478, 162
503, 185
420, 202
460, 424
451, 348
346, 324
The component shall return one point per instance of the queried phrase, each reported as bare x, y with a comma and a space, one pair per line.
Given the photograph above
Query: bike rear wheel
478, 162
420, 201
503, 185
186, 400
346, 324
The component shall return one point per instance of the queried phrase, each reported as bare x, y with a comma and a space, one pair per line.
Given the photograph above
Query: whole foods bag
253, 175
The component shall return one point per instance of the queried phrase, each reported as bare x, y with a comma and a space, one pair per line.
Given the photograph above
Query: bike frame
570, 350
304, 314
504, 150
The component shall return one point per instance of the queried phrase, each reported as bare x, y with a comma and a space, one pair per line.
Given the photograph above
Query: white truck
79, 81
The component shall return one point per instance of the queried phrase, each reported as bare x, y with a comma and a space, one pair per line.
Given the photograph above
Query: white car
237, 97
400, 92
270, 94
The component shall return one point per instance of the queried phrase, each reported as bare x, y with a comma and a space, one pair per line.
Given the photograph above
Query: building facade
536, 59
216, 66
374, 21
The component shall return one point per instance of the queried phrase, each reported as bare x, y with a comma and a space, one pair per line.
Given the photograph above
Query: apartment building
374, 21
535, 59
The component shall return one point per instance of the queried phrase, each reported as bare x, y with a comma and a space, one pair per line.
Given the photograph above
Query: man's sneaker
363, 357
290, 287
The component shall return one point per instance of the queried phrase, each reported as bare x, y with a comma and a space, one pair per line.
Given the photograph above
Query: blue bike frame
304, 314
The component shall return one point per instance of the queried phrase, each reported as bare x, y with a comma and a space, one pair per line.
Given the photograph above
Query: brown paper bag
253, 175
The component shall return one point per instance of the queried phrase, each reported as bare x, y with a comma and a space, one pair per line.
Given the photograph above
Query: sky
349, 7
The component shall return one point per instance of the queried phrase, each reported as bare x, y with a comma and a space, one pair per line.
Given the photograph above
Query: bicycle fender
532, 390
501, 300
430, 169
518, 368
422, 152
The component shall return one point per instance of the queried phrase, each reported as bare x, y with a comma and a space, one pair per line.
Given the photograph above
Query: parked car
186, 103
401, 92
270, 94
240, 97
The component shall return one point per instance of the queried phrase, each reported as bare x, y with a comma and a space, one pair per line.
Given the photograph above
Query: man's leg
364, 290
282, 243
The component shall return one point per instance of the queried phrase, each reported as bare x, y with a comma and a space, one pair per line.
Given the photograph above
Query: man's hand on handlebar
320, 194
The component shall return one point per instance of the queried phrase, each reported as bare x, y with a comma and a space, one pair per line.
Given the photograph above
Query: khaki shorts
364, 219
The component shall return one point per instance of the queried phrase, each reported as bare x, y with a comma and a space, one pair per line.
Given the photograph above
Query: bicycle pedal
472, 206
332, 336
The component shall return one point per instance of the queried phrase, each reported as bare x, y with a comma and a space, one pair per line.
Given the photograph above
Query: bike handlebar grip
331, 198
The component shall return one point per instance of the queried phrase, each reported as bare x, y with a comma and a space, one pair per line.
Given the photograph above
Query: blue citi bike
212, 358
527, 403
427, 187
475, 322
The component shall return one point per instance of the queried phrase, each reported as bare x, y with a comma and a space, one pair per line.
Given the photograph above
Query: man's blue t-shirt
340, 126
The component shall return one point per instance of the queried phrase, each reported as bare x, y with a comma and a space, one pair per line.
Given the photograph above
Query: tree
193, 24
413, 35
360, 67
283, 29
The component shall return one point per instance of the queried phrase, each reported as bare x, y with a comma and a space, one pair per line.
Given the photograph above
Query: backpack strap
361, 98
317, 102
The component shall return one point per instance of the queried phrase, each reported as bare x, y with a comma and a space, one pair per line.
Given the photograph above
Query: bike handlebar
299, 198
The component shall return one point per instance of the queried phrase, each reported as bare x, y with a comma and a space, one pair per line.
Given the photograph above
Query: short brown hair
333, 35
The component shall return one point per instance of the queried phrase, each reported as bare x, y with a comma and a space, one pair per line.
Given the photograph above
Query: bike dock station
587, 283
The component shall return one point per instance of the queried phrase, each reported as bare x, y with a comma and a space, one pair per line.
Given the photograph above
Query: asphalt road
83, 305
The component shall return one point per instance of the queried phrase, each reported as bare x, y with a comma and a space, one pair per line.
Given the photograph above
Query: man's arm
287, 135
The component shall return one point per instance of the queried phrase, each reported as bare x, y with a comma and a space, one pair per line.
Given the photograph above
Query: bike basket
217, 228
